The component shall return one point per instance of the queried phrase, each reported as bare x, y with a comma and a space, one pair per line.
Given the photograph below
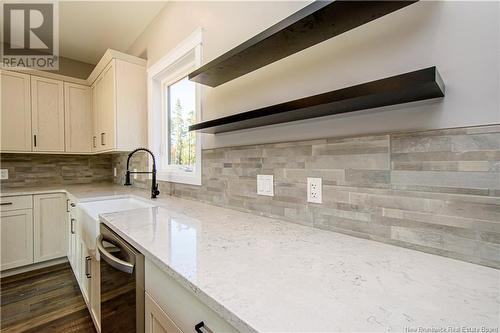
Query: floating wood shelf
409, 87
315, 23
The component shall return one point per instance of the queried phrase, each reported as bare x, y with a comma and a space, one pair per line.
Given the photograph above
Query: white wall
460, 38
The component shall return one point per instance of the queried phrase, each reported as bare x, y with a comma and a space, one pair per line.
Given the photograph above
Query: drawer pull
87, 267
202, 328
5, 203
102, 139
73, 226
67, 206
94, 144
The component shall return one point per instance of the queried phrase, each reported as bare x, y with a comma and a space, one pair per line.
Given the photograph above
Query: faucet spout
154, 185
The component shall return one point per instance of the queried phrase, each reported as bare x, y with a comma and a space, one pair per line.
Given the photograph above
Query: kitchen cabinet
156, 320
47, 114
77, 118
16, 229
50, 226
94, 129
119, 107
95, 291
86, 275
178, 304
15, 112
73, 241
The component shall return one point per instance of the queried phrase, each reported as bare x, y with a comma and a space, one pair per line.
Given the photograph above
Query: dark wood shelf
409, 87
315, 23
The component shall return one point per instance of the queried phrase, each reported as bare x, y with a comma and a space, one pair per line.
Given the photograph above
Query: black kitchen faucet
154, 185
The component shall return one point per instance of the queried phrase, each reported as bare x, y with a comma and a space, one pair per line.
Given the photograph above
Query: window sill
180, 177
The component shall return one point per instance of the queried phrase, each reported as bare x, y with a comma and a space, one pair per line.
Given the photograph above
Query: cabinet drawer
181, 306
15, 202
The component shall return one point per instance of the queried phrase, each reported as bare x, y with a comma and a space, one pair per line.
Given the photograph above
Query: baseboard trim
24, 269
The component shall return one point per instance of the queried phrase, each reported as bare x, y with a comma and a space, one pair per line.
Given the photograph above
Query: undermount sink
88, 214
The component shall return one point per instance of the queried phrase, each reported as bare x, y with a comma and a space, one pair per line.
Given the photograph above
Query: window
174, 103
180, 102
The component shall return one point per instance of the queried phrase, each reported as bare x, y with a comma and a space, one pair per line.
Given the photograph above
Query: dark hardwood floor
45, 300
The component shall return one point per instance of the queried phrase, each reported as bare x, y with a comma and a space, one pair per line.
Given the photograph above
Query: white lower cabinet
50, 225
33, 229
81, 256
16, 228
85, 273
172, 308
156, 320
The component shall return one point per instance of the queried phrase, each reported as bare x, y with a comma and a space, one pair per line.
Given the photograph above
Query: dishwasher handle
119, 264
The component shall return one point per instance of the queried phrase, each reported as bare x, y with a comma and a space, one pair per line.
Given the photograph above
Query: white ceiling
88, 28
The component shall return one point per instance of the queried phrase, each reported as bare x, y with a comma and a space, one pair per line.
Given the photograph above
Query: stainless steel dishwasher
122, 284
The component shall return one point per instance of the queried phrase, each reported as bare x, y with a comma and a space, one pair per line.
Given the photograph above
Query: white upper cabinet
77, 118
50, 113
47, 114
119, 101
15, 112
106, 108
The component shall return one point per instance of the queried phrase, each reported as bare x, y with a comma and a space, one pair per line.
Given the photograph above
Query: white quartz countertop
266, 275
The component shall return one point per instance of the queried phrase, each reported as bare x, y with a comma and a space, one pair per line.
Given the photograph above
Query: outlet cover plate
4, 174
314, 190
265, 185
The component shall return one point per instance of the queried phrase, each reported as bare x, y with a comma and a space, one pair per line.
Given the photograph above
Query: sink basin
88, 214
94, 208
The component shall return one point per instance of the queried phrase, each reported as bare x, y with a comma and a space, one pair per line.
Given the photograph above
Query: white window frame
174, 66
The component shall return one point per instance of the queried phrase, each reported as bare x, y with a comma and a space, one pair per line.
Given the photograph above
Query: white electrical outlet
314, 190
135, 175
114, 172
265, 185
4, 174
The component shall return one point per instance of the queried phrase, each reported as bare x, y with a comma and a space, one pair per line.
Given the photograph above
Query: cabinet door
16, 229
86, 271
157, 321
47, 114
95, 124
72, 242
15, 112
95, 290
77, 118
50, 226
106, 111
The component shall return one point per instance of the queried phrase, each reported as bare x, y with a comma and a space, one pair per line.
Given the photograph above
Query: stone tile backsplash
50, 169
434, 191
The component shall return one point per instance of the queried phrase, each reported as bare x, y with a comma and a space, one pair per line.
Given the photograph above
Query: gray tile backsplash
434, 191
50, 169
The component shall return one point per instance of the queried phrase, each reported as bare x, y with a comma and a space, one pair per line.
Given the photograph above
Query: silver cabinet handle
119, 264
5, 203
73, 226
67, 205
102, 139
94, 142
87, 267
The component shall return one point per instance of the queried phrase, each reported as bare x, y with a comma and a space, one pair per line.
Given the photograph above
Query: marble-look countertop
266, 275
